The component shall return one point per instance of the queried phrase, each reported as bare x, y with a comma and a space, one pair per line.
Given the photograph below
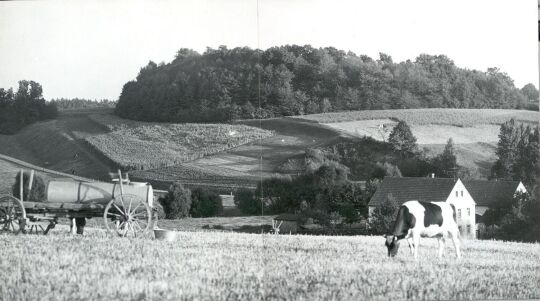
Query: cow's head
392, 243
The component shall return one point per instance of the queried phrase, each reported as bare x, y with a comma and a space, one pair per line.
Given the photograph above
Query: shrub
205, 204
38, 188
384, 215
247, 203
177, 202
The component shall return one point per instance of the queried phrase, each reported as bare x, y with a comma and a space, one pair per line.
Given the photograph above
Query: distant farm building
288, 221
470, 198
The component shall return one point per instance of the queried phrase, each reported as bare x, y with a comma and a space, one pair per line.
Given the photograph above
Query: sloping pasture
474, 131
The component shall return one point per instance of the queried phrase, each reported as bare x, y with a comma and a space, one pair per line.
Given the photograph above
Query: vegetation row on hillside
151, 146
225, 84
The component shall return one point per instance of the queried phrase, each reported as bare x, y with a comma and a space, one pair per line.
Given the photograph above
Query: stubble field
231, 266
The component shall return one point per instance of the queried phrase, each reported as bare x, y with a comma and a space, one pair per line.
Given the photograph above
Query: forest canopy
241, 83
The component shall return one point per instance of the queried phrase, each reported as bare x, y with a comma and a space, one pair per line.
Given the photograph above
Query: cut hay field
232, 266
474, 131
244, 165
142, 145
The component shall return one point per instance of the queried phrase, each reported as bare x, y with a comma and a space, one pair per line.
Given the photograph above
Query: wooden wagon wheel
128, 216
12, 215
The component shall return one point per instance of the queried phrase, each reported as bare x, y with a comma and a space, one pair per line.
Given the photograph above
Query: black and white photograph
269, 150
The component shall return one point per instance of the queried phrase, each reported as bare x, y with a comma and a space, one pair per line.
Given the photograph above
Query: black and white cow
424, 219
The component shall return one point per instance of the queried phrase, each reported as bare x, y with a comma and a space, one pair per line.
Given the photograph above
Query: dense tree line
26, 106
518, 152
224, 84
81, 103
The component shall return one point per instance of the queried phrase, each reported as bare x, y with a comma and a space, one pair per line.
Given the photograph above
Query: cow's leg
416, 242
411, 244
80, 222
441, 246
72, 227
455, 240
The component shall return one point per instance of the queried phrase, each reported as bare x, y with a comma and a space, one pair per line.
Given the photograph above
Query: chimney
433, 176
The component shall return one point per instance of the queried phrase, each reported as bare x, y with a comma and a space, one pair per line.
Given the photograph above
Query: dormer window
468, 211
462, 193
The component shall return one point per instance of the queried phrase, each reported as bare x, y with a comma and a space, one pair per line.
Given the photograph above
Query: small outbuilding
288, 223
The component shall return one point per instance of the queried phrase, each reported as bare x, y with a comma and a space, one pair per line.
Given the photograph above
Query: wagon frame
126, 215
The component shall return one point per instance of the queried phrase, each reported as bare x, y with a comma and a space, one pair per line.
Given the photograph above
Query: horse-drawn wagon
126, 207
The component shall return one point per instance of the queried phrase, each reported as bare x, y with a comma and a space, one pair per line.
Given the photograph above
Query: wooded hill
224, 84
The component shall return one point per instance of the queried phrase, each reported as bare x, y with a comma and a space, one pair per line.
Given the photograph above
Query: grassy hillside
474, 131
230, 266
58, 145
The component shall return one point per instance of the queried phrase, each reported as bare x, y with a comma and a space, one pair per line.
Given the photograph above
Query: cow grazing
424, 219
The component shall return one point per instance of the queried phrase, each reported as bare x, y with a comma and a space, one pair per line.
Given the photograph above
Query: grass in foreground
221, 266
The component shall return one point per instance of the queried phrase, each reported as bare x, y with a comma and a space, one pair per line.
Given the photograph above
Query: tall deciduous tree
530, 92
518, 153
402, 140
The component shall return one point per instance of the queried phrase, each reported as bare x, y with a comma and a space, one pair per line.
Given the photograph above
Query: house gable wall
465, 209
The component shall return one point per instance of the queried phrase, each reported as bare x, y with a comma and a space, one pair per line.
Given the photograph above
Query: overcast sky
89, 49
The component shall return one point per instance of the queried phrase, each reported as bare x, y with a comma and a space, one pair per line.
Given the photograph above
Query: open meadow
232, 266
474, 131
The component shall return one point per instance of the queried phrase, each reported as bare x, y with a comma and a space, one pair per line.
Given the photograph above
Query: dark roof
419, 189
485, 193
286, 217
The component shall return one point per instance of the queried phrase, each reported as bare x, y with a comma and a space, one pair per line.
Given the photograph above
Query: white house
470, 198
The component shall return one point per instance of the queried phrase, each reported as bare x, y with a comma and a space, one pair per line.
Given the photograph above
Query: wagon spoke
135, 210
129, 207
142, 213
128, 229
139, 226
114, 214
122, 201
119, 209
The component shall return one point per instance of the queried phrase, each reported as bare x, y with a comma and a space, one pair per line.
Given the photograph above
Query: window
459, 227
459, 213
462, 193
468, 211
457, 193
468, 229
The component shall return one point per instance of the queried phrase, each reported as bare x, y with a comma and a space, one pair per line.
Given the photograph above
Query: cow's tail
454, 212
